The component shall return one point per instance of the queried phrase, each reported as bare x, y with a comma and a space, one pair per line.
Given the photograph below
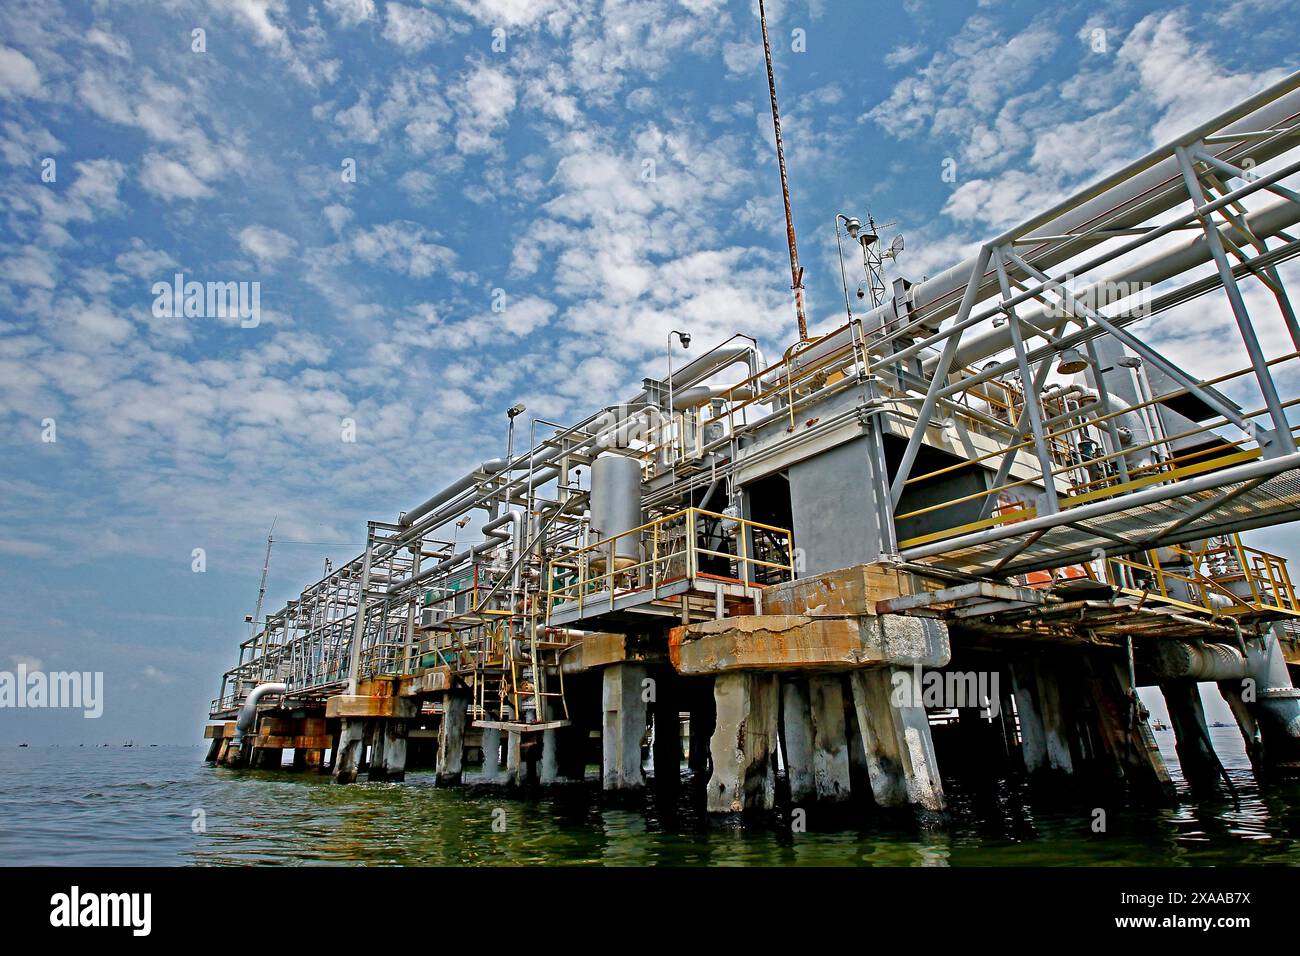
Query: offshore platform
955, 534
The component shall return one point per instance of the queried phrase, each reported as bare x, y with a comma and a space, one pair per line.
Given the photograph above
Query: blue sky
610, 171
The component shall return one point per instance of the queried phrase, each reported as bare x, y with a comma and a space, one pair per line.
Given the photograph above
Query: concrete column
1126, 736
214, 750
492, 772
268, 758
1044, 740
743, 747
1201, 766
451, 738
347, 755
624, 726
548, 771
797, 740
516, 767
700, 728
389, 760
899, 750
830, 738
667, 755
1231, 690
308, 760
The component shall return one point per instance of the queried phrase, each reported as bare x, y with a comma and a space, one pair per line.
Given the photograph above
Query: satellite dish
896, 247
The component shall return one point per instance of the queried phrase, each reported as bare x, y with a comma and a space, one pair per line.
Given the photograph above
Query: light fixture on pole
685, 339
1071, 362
513, 412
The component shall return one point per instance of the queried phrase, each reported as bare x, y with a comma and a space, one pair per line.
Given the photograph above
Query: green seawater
137, 806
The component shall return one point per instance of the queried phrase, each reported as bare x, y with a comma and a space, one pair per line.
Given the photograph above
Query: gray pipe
248, 713
1277, 698
1176, 660
1263, 222
1123, 199
492, 466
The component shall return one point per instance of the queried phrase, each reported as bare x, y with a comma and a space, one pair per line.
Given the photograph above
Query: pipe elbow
248, 713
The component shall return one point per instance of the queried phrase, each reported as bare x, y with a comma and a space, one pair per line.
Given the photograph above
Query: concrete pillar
389, 759
548, 770
347, 755
743, 747
667, 755
516, 768
624, 711
830, 738
308, 760
492, 772
898, 747
700, 727
1201, 766
1231, 690
797, 740
214, 750
1125, 735
268, 758
1044, 739
451, 738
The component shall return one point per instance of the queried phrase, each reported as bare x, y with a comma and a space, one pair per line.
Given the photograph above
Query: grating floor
1275, 501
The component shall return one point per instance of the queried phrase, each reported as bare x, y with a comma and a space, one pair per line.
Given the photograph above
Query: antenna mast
266, 566
796, 271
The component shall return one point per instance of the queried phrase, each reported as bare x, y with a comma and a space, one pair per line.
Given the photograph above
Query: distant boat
1219, 723
153, 745
1157, 724
129, 743
22, 745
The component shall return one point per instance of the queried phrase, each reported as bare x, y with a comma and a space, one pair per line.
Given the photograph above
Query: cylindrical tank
616, 507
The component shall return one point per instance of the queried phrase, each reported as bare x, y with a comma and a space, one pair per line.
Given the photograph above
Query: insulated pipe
248, 713
494, 539
492, 466
1277, 698
1134, 194
1264, 222
699, 394
1176, 660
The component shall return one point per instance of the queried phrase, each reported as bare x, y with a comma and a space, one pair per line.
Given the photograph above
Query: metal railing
689, 544
1224, 578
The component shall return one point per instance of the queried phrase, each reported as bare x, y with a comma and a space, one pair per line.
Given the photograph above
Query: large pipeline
1263, 223
1132, 195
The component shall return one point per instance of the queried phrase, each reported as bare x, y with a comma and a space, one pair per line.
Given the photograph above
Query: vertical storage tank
616, 507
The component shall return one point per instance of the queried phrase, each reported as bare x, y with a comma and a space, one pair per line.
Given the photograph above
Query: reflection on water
98, 806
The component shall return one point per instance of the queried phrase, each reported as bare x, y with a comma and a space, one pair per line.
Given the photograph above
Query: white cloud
412, 28
902, 55
143, 261
109, 42
484, 99
169, 179
337, 216
349, 13
404, 247
22, 146
265, 244
18, 74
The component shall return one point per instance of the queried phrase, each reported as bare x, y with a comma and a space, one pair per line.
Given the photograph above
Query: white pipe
248, 713
1264, 222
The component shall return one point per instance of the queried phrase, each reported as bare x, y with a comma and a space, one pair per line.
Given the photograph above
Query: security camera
686, 340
